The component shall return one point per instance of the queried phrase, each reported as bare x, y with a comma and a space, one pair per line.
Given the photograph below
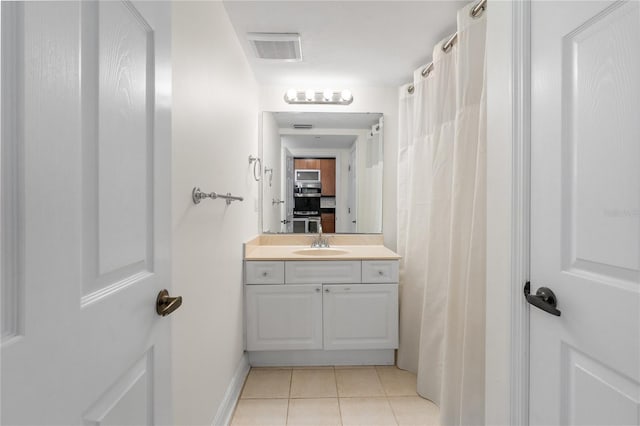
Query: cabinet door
282, 317
328, 176
307, 163
360, 316
328, 221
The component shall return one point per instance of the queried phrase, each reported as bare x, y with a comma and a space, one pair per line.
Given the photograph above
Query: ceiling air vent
303, 126
276, 46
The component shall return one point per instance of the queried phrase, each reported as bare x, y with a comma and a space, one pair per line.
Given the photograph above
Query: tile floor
381, 395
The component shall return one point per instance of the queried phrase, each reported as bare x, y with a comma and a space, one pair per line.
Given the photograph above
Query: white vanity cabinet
329, 306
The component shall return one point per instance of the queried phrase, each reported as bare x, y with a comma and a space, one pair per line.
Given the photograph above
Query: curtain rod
476, 11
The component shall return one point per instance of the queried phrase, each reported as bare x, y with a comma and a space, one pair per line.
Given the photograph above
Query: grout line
384, 388
286, 419
335, 380
395, 417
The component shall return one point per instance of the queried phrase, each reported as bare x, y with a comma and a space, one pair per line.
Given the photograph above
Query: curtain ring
478, 9
427, 70
446, 47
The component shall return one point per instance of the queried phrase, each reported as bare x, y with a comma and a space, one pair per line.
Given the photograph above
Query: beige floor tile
358, 382
260, 412
314, 411
366, 411
396, 382
313, 384
267, 383
413, 410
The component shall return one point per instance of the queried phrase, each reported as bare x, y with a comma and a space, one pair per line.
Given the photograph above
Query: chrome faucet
319, 241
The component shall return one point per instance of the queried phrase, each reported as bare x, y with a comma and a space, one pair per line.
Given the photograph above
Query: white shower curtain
441, 226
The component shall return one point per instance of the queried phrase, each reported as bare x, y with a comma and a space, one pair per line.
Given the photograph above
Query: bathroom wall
365, 99
215, 128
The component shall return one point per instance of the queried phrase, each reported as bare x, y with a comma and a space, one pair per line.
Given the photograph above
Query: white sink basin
327, 251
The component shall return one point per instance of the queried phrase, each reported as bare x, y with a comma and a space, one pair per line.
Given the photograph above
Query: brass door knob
166, 304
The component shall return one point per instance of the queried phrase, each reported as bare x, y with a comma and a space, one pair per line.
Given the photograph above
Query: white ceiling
346, 43
326, 120
318, 141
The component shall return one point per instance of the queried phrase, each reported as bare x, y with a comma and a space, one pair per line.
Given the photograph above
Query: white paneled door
85, 212
585, 217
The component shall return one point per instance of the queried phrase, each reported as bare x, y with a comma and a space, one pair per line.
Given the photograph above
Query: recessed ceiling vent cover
276, 46
303, 126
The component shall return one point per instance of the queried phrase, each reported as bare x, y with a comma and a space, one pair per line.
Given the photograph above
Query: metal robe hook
270, 171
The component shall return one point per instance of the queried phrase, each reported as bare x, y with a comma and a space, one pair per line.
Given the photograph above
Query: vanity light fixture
310, 94
313, 96
291, 94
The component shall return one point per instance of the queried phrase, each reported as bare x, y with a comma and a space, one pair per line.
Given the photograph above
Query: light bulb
310, 94
292, 94
346, 95
328, 94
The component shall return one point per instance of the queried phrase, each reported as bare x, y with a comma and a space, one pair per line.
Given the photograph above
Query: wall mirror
321, 168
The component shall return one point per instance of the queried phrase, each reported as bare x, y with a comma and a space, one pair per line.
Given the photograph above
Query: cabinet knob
317, 289
380, 273
326, 290
264, 274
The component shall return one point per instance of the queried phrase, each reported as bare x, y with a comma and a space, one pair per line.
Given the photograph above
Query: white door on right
585, 212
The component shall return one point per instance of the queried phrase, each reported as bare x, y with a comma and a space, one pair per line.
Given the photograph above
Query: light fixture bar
318, 97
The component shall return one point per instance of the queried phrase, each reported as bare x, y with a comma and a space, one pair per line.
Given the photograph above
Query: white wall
366, 99
272, 158
215, 128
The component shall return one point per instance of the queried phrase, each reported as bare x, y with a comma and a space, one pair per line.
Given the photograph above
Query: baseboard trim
320, 357
231, 396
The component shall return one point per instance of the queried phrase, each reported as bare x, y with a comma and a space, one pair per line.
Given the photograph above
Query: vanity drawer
269, 272
322, 272
379, 271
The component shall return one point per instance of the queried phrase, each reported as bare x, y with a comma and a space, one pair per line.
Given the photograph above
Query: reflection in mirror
321, 169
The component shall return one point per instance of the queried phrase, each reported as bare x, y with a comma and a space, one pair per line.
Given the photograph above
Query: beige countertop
288, 253
357, 248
